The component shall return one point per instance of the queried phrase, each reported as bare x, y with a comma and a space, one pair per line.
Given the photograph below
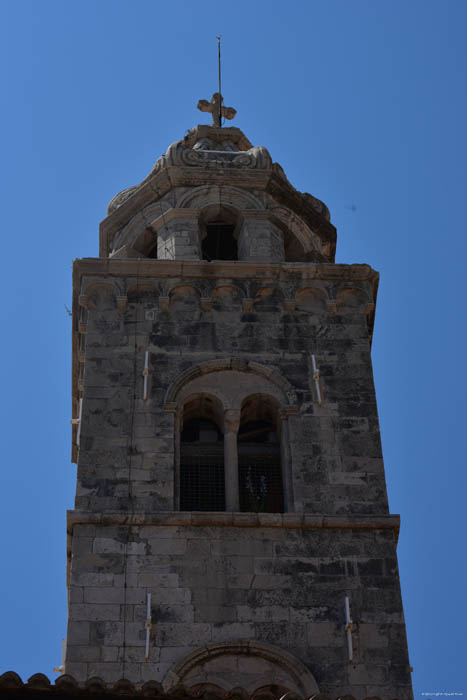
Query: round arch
273, 665
240, 365
206, 195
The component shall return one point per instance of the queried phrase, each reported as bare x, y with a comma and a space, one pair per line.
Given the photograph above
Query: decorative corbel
289, 306
164, 303
206, 303
84, 301
287, 411
122, 302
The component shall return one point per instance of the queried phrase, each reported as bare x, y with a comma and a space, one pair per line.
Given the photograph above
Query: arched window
202, 482
219, 243
259, 457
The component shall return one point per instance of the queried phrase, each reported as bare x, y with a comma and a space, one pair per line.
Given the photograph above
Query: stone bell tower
231, 525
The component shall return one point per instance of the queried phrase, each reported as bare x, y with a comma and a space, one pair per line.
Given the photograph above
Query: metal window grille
260, 480
202, 484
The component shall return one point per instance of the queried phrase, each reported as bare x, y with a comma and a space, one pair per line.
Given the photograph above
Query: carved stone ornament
205, 152
234, 159
224, 154
121, 197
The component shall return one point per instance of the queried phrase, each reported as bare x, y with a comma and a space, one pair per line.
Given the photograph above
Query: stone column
231, 425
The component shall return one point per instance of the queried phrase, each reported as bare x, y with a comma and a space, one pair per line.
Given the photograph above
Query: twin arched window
231, 460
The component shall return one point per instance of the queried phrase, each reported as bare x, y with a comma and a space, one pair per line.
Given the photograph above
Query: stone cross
216, 109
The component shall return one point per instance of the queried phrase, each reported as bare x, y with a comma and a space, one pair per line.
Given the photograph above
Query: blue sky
364, 105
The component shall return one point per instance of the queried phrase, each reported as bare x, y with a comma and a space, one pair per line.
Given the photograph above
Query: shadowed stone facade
280, 336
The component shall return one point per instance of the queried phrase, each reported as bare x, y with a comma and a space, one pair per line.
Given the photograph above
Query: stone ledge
223, 268
220, 519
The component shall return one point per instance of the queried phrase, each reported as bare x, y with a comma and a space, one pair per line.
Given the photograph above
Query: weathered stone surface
251, 599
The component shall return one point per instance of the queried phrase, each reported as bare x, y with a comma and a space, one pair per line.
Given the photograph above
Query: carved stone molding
291, 669
257, 157
237, 269
234, 363
229, 519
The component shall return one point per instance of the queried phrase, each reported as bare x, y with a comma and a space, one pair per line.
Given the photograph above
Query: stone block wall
262, 579
221, 578
184, 322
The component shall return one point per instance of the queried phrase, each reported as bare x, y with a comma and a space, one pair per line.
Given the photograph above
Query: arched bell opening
202, 482
293, 248
259, 456
152, 253
219, 229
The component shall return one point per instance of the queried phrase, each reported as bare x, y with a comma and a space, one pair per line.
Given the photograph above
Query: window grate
260, 481
201, 481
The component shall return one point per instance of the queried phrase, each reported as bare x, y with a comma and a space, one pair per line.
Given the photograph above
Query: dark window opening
219, 242
153, 252
259, 468
293, 249
202, 485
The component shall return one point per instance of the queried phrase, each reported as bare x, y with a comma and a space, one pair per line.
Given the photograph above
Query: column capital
122, 302
232, 420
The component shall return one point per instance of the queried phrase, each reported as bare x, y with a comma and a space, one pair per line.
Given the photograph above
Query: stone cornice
304, 521
223, 269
